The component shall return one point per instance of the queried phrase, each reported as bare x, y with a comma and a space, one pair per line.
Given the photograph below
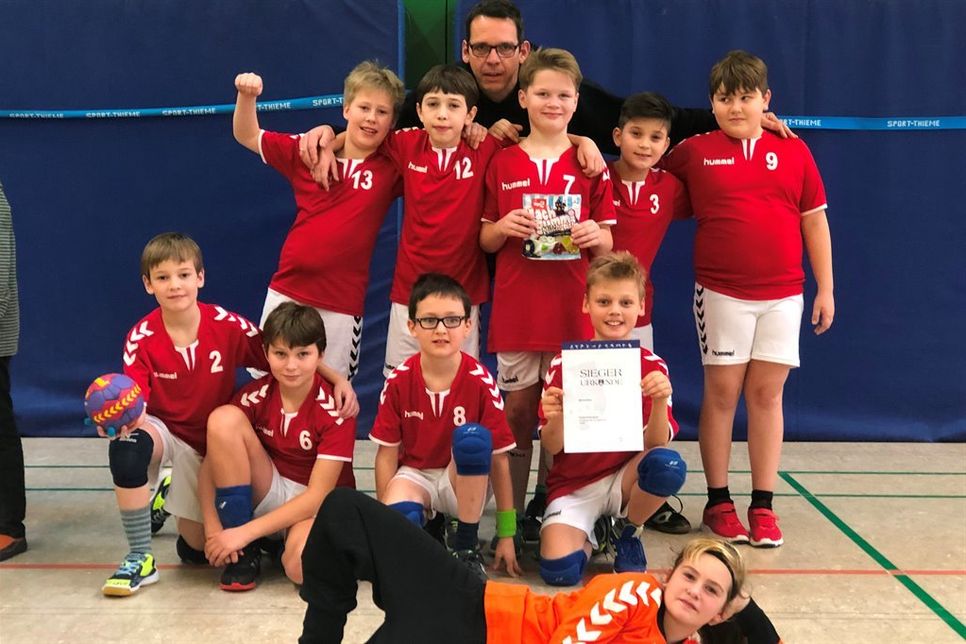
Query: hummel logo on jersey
513, 185
417, 168
413, 414
166, 376
617, 203
728, 161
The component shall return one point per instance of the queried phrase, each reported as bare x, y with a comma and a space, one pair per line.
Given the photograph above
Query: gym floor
875, 551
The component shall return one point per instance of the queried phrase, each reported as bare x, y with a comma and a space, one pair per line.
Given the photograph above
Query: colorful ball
113, 401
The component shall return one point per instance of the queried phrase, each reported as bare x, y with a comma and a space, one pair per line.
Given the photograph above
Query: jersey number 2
215, 358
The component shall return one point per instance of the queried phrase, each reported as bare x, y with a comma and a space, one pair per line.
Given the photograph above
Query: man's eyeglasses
430, 323
503, 50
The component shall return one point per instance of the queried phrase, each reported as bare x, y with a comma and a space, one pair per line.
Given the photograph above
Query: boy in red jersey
536, 302
274, 453
443, 186
585, 486
324, 261
441, 430
756, 197
183, 355
647, 200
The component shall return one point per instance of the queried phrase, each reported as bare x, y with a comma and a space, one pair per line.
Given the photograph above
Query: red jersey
421, 422
644, 210
325, 258
537, 303
749, 196
182, 385
295, 441
616, 608
443, 203
571, 472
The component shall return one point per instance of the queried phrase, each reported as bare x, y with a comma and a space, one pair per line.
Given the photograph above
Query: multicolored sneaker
765, 532
472, 559
630, 551
243, 574
137, 569
668, 520
158, 513
606, 533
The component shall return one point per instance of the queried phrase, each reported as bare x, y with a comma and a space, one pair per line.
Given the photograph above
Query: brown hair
176, 247
296, 325
646, 105
449, 79
738, 70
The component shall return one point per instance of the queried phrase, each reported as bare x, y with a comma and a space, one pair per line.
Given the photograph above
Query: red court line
878, 572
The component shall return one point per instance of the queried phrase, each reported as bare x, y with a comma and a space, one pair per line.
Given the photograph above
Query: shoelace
131, 563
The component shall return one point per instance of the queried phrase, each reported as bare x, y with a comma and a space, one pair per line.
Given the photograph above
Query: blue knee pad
565, 571
411, 510
472, 449
234, 505
130, 457
661, 472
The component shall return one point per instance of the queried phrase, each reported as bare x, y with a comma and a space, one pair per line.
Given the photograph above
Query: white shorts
281, 491
343, 336
436, 483
182, 500
733, 331
581, 508
400, 343
519, 369
645, 335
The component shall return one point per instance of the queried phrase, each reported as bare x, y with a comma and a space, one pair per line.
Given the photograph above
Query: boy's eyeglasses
503, 50
430, 323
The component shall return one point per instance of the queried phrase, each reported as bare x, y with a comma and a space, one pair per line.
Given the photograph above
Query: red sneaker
765, 532
722, 521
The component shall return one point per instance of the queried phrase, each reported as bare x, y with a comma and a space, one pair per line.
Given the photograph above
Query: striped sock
137, 528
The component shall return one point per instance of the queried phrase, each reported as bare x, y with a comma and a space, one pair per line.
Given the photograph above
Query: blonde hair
558, 60
611, 267
369, 74
176, 247
723, 552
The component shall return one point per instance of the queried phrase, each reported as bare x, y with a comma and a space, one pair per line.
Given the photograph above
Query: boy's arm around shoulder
244, 122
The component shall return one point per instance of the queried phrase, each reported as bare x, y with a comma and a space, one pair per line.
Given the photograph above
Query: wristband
506, 523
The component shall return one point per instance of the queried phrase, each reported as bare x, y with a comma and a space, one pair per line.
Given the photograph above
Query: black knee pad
130, 457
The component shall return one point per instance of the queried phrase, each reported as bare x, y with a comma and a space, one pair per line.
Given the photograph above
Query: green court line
878, 557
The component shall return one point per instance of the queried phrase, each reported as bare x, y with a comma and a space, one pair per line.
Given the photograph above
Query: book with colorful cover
555, 215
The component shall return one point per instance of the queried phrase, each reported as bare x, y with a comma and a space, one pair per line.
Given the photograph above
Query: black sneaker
669, 520
274, 548
436, 528
158, 514
189, 555
533, 519
473, 559
243, 574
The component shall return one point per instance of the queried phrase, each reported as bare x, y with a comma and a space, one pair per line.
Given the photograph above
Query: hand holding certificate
602, 389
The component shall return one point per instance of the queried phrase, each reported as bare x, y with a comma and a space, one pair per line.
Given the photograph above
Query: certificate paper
602, 397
